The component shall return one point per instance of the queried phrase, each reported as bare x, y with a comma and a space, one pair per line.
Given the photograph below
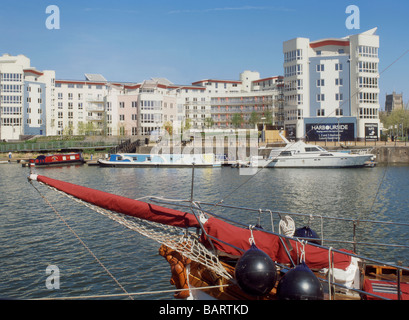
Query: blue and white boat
159, 160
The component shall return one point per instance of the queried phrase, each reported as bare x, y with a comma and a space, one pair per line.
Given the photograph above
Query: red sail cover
315, 258
124, 205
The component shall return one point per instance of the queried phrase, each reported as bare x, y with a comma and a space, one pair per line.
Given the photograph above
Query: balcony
95, 99
94, 118
95, 108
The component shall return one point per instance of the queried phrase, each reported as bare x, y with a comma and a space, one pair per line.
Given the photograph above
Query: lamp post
263, 137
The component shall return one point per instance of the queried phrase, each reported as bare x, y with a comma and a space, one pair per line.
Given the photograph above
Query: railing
53, 145
197, 205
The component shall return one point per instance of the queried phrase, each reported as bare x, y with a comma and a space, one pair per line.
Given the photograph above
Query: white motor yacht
301, 155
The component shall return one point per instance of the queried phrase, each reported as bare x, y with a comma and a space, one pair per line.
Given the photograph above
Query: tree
89, 128
269, 117
188, 124
209, 122
168, 126
81, 128
254, 118
237, 120
396, 119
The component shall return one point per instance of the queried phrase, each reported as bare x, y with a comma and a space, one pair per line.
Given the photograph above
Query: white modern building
331, 88
26, 98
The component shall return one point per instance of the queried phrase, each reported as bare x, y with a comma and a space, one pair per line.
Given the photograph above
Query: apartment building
331, 88
245, 97
26, 97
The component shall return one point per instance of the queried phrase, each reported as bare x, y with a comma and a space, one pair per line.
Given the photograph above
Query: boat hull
122, 164
321, 162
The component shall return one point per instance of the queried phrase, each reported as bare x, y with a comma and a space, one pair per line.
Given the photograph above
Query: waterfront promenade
388, 152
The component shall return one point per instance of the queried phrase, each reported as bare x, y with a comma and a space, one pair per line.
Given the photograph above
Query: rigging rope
80, 240
136, 293
176, 238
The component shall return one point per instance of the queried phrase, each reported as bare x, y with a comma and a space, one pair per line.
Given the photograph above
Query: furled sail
123, 205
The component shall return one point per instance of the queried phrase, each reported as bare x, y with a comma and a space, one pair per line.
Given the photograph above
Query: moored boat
159, 160
65, 159
301, 155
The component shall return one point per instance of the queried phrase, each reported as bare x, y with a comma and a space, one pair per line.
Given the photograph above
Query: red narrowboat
58, 160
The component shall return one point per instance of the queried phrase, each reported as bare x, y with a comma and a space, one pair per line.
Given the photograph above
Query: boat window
135, 158
326, 155
312, 149
285, 153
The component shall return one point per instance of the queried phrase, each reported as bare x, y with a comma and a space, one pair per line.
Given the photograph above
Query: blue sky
186, 41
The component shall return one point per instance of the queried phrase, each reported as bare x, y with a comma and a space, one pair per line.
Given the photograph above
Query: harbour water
33, 237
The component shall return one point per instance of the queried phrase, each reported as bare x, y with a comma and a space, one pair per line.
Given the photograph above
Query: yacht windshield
313, 149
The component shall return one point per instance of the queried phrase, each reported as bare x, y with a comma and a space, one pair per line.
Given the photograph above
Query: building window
320, 67
339, 97
321, 113
368, 97
339, 82
121, 117
339, 112
320, 97
370, 67
368, 113
338, 67
367, 82
366, 51
320, 82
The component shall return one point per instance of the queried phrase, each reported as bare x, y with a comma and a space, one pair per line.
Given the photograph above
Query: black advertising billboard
371, 131
330, 131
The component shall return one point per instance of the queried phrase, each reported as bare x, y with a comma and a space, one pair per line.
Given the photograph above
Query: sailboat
211, 257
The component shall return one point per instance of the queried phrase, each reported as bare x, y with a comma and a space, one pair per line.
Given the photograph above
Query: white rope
134, 293
287, 226
251, 239
330, 272
302, 249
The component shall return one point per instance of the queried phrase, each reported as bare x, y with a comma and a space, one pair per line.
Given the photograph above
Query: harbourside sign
330, 131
